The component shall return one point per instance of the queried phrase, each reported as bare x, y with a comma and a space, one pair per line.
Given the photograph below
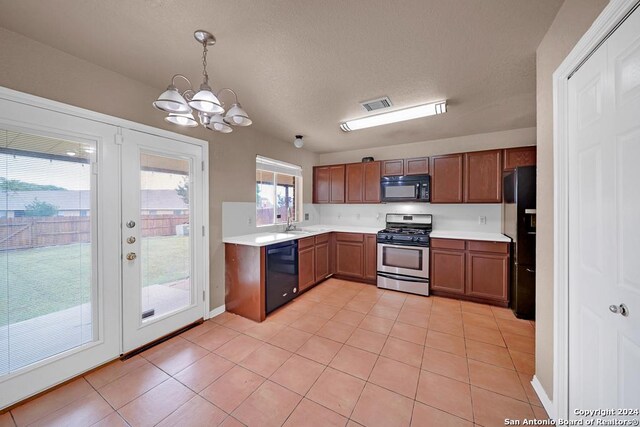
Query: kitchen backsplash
462, 217
239, 218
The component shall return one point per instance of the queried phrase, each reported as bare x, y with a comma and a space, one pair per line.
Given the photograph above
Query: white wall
239, 218
573, 19
460, 144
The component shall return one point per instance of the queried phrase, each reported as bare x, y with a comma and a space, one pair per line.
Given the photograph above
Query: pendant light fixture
298, 142
207, 104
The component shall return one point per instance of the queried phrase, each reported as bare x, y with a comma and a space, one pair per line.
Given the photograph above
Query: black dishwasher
282, 274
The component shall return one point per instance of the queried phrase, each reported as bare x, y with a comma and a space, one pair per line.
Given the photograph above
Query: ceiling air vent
376, 104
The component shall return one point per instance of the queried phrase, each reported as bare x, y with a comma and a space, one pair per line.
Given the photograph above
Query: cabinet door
488, 275
448, 271
446, 178
321, 184
371, 192
416, 166
393, 167
350, 259
306, 268
354, 183
322, 261
483, 177
521, 156
370, 257
336, 178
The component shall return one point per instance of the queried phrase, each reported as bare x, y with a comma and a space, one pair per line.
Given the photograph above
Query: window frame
278, 168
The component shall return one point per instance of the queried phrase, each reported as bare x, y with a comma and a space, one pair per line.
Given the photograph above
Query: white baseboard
544, 398
216, 311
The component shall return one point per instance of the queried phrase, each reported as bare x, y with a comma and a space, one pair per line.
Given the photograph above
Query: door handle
619, 309
131, 256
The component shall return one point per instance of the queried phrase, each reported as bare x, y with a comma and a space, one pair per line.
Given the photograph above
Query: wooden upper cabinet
371, 191
483, 177
416, 166
362, 182
321, 184
354, 182
336, 179
393, 167
521, 156
447, 178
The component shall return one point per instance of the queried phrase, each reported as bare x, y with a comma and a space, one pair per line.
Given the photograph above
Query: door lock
619, 309
131, 240
131, 256
131, 224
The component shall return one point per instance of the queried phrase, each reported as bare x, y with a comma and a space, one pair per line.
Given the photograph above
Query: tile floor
343, 353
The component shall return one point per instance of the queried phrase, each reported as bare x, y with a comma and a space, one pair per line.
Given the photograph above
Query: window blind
271, 165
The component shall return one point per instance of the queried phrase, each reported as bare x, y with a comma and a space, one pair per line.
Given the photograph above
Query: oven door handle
403, 278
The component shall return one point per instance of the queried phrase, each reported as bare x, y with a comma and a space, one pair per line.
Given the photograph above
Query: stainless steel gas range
403, 253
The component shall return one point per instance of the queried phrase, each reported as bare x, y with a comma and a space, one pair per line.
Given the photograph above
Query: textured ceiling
303, 67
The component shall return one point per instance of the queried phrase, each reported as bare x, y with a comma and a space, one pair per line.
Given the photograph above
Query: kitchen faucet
290, 226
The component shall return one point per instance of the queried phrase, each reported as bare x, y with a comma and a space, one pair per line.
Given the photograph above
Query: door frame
607, 22
118, 124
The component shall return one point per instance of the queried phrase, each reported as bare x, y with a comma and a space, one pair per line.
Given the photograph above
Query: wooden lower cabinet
245, 281
370, 257
306, 267
350, 255
471, 270
448, 271
487, 275
322, 261
350, 259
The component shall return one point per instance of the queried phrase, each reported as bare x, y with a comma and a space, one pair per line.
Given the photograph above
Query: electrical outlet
306, 217
249, 221
482, 219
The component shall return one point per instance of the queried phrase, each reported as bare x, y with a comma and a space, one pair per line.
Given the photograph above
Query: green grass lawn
38, 281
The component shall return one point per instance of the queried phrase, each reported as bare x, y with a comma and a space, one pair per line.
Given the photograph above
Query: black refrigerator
519, 223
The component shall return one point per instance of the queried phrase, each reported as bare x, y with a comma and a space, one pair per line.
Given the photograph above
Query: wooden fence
36, 232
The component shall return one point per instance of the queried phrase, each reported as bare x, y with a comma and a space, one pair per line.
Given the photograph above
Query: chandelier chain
204, 63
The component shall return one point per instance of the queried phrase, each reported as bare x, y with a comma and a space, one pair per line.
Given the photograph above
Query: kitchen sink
299, 232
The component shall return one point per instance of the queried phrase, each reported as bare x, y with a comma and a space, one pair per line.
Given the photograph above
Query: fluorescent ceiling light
396, 116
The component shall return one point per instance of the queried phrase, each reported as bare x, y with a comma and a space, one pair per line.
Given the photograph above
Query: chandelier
207, 105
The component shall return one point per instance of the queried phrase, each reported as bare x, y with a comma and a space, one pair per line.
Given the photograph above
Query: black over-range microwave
407, 188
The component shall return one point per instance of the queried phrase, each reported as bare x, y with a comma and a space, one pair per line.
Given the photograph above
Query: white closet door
604, 231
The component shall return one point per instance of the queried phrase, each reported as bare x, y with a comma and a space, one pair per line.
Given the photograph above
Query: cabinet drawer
495, 247
306, 242
447, 244
321, 238
350, 237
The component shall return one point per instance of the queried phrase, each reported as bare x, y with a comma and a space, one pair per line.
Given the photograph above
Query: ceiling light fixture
298, 142
395, 116
207, 104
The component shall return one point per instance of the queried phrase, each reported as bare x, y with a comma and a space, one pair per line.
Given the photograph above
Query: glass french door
59, 270
162, 237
